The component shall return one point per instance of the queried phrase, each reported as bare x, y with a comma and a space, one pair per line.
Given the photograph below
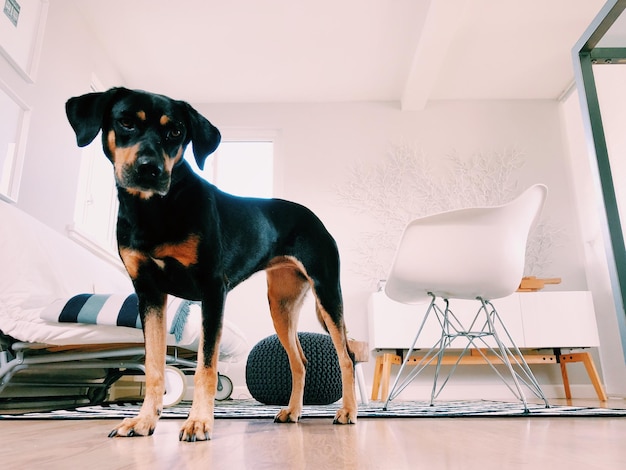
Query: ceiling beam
443, 19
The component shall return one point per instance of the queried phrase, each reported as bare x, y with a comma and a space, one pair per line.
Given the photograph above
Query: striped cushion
101, 309
113, 310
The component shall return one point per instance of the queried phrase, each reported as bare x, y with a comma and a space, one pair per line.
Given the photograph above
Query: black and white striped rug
251, 409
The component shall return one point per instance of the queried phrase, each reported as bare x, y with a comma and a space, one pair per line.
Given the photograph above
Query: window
95, 211
14, 119
241, 167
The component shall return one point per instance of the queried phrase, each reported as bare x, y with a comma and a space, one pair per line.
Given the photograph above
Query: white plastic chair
478, 254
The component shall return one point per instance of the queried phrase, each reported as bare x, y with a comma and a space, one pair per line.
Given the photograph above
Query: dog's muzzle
147, 174
148, 168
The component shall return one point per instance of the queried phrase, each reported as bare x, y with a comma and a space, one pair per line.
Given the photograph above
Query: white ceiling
409, 51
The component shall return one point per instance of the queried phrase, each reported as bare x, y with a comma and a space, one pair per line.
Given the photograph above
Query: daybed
46, 362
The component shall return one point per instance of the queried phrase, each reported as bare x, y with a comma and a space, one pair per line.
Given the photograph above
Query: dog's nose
148, 167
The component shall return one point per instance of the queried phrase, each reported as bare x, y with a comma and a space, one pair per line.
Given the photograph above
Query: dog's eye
127, 123
174, 133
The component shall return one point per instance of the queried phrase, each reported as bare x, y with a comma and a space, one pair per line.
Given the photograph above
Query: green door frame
585, 55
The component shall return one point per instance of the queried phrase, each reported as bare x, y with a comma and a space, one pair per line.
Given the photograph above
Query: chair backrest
465, 253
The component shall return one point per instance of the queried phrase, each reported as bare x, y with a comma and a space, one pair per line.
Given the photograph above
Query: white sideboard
558, 319
535, 320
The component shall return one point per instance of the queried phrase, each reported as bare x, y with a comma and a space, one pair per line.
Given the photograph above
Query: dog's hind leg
347, 414
286, 290
329, 309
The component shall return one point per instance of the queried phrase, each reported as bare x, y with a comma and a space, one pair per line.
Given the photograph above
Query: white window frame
92, 165
230, 135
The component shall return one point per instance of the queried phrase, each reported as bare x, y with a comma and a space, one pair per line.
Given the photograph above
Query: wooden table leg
568, 391
378, 370
382, 374
592, 372
386, 374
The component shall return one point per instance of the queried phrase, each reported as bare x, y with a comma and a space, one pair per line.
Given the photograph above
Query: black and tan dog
177, 234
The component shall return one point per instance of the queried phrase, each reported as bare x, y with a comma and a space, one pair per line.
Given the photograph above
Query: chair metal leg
504, 351
398, 385
448, 333
476, 334
442, 349
518, 357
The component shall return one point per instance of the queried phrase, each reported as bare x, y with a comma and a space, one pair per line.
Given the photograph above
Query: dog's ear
204, 136
86, 113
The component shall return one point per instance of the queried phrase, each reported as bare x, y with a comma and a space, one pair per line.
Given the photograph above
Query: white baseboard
465, 392
493, 392
414, 392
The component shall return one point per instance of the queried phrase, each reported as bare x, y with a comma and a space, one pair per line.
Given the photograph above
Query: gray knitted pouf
268, 375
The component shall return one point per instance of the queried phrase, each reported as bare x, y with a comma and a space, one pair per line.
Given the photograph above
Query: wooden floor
394, 444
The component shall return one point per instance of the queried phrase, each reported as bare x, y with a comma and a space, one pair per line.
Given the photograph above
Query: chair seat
465, 253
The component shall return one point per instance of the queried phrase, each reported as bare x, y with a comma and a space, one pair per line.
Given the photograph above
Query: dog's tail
320, 318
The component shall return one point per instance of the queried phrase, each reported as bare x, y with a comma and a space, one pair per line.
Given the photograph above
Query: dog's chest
184, 252
162, 256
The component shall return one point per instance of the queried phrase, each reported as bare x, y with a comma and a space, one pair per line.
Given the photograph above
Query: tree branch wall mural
405, 185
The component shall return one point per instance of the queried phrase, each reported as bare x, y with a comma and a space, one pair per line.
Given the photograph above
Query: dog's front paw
139, 426
345, 416
196, 430
286, 415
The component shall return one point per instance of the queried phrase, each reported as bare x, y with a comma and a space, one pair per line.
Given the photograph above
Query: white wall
317, 147
69, 58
